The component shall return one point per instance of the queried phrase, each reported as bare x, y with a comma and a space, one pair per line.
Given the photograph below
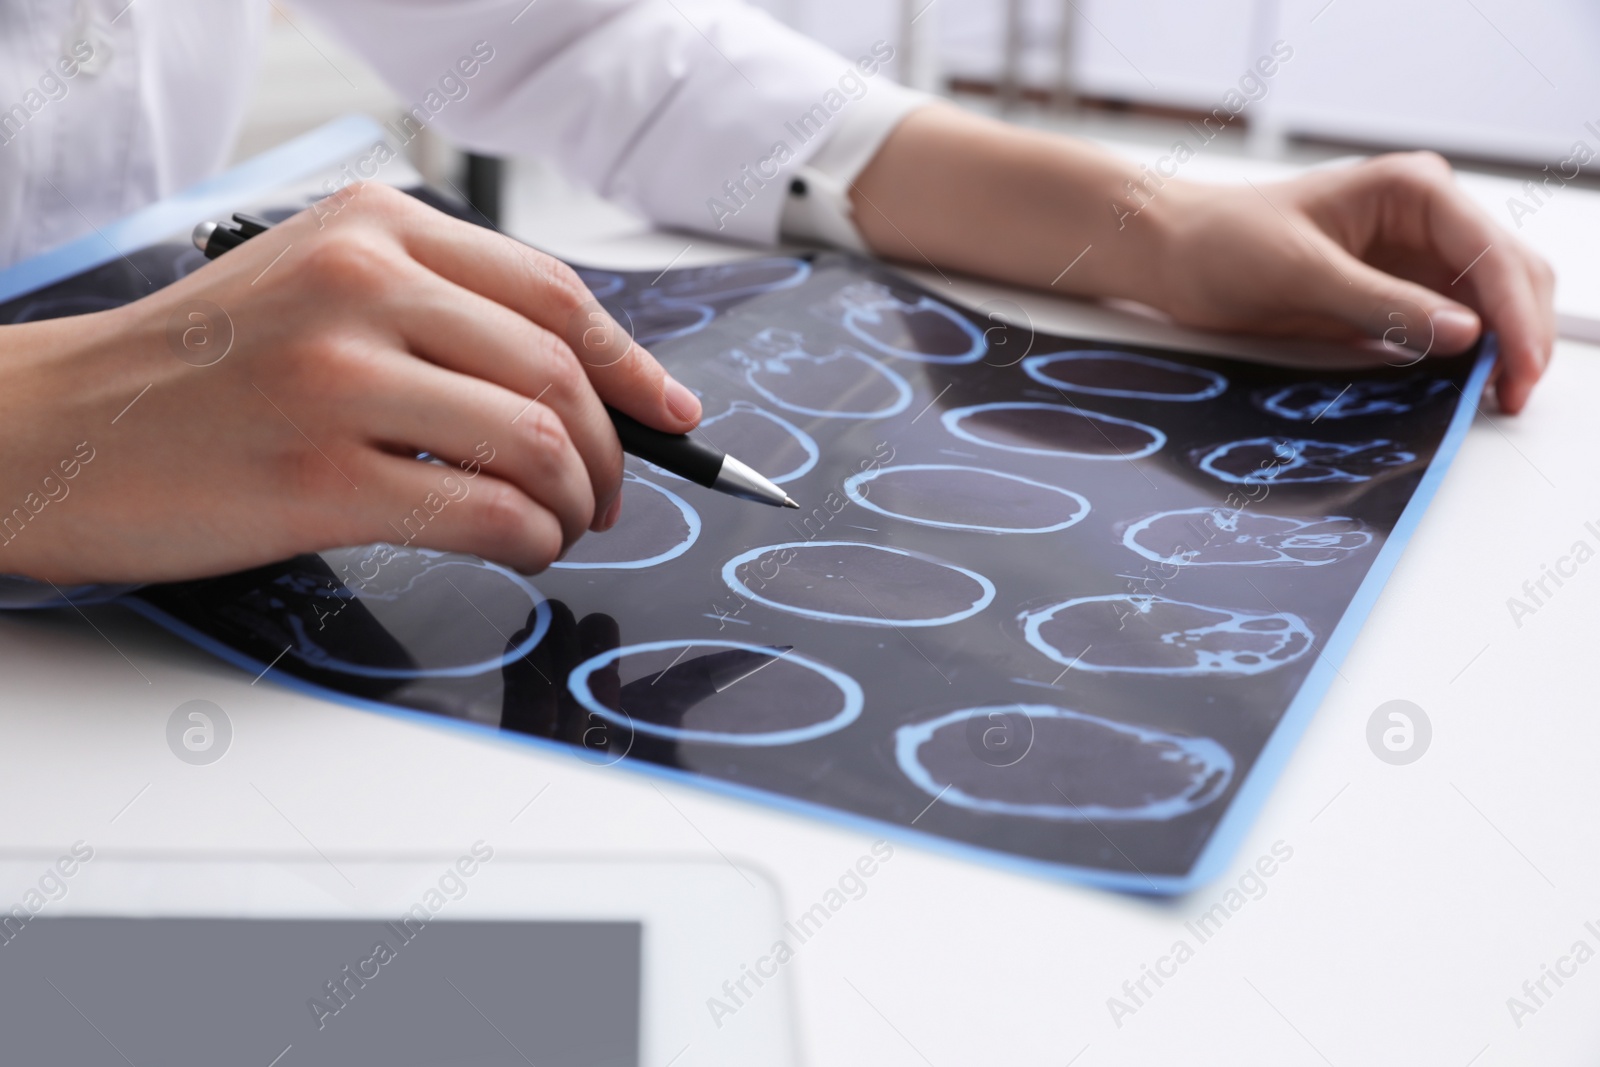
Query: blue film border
339, 140
1252, 793
1155, 885
1225, 839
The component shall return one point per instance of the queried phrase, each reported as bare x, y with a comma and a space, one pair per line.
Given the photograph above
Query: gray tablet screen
281, 993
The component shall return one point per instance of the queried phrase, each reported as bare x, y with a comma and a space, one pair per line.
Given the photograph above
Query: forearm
975, 195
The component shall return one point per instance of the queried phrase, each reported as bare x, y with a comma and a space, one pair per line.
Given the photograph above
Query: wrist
1091, 223
1146, 213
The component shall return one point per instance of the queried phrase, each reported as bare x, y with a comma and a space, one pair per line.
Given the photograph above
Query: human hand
352, 341
1359, 252
1355, 253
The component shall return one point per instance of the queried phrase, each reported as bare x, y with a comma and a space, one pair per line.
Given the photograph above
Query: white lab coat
658, 104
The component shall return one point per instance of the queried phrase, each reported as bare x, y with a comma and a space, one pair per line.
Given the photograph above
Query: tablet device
475, 958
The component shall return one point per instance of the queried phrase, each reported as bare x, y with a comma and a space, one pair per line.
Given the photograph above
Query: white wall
1498, 78
1495, 78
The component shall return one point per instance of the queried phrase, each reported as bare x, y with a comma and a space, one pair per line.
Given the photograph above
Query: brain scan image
924, 329
113, 284
719, 692
1124, 374
977, 499
1062, 764
1139, 633
651, 321
770, 443
979, 627
847, 581
1293, 461
841, 384
656, 525
682, 302
731, 281
1053, 430
1313, 401
402, 593
59, 307
602, 283
1216, 536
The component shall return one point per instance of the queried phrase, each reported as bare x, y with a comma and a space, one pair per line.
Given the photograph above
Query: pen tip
788, 502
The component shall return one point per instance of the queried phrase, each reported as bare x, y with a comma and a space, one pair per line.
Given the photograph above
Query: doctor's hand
274, 401
1389, 250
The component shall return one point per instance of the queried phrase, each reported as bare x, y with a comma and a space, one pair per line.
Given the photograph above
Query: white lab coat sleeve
818, 208
695, 113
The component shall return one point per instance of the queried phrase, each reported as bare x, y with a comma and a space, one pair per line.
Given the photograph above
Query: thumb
1403, 316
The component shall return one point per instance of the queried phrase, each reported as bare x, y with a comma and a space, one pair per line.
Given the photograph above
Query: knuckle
502, 516
327, 370
561, 365
1423, 168
379, 200
347, 262
545, 435
557, 284
588, 327
563, 281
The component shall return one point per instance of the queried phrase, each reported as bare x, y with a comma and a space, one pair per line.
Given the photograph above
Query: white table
1417, 899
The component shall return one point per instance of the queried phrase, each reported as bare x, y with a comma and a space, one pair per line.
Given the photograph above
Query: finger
546, 291
1524, 348
1541, 280
1501, 285
1482, 264
462, 331
1375, 304
1544, 286
495, 519
478, 426
1512, 308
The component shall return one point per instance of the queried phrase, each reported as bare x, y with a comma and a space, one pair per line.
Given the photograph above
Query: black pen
675, 453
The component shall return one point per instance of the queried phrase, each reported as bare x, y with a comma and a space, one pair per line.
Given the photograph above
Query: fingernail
1456, 320
680, 401
612, 512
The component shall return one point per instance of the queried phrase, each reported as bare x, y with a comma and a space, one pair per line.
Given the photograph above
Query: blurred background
1505, 89
1499, 83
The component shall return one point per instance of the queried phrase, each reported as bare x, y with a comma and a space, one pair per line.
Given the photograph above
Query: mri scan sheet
1049, 602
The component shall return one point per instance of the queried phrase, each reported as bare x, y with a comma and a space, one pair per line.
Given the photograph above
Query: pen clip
249, 225
215, 238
